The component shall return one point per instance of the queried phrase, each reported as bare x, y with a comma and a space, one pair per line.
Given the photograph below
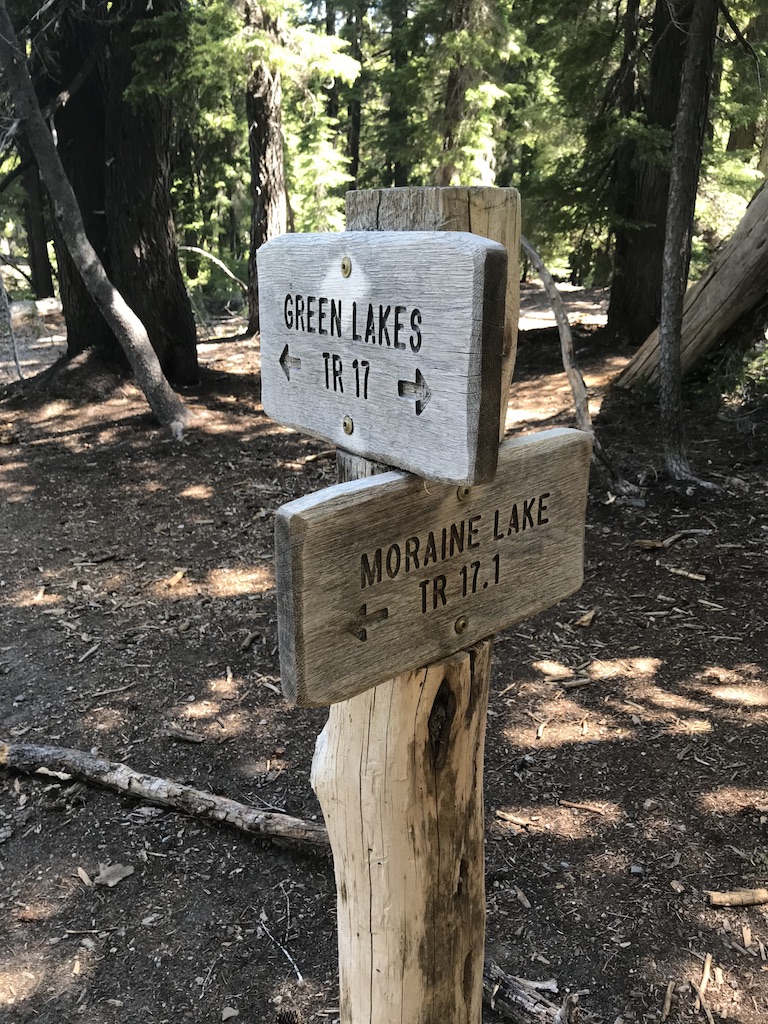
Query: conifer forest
213, 804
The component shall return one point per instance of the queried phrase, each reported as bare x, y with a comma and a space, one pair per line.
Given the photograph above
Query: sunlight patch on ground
17, 492
553, 669
753, 696
734, 800
200, 709
17, 983
105, 719
565, 822
547, 733
670, 701
200, 492
689, 727
230, 582
629, 667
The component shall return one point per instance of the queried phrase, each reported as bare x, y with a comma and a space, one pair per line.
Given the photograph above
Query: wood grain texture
488, 212
398, 772
733, 283
400, 360
377, 576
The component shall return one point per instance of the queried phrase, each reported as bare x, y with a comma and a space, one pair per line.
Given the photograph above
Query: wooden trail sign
376, 576
388, 344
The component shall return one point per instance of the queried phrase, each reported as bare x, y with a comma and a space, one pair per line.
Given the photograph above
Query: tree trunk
686, 161
141, 235
635, 299
354, 33
127, 327
80, 132
732, 287
396, 158
35, 225
264, 112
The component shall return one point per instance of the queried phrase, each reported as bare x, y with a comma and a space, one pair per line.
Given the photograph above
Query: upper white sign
388, 344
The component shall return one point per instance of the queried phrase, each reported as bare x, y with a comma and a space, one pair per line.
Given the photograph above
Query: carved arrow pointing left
366, 618
289, 362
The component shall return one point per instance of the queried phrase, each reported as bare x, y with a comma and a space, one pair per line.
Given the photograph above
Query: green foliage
543, 96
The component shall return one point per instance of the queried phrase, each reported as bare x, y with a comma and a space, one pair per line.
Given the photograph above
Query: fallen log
734, 283
77, 764
738, 898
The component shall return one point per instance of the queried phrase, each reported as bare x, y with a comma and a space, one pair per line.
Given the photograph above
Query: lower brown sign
379, 576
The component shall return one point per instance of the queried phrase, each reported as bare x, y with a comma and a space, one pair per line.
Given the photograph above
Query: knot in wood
440, 720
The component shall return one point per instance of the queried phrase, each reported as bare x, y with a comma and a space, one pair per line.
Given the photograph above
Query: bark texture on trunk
686, 161
127, 327
142, 238
643, 191
263, 107
35, 224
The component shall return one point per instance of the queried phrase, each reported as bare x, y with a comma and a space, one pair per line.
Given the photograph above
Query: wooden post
398, 769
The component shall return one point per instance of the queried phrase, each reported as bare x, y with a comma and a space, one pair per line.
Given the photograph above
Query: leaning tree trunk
732, 288
142, 239
643, 190
686, 161
127, 327
264, 113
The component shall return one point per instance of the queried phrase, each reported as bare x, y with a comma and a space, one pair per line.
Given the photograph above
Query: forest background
218, 124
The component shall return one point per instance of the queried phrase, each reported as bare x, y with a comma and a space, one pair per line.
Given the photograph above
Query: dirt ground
626, 769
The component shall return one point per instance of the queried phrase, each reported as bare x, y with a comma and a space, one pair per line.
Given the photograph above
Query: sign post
379, 575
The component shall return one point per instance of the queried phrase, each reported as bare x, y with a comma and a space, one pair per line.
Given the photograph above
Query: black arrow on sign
367, 619
289, 362
420, 391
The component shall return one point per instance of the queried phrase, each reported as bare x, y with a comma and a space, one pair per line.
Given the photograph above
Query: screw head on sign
348, 425
461, 624
464, 493
346, 266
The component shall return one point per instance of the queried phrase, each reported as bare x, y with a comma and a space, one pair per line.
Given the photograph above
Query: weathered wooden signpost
392, 347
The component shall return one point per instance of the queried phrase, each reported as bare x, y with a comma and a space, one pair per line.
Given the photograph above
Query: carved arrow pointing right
289, 362
420, 391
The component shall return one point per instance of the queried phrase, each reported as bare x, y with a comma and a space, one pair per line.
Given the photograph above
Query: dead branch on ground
77, 764
521, 1001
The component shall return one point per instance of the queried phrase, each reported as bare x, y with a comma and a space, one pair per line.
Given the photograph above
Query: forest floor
626, 767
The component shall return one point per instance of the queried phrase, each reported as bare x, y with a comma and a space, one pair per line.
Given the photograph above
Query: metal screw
348, 425
346, 267
461, 624
464, 493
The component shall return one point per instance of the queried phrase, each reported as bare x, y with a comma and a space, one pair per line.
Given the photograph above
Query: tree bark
127, 327
264, 112
643, 191
35, 225
80, 132
141, 235
686, 161
398, 113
